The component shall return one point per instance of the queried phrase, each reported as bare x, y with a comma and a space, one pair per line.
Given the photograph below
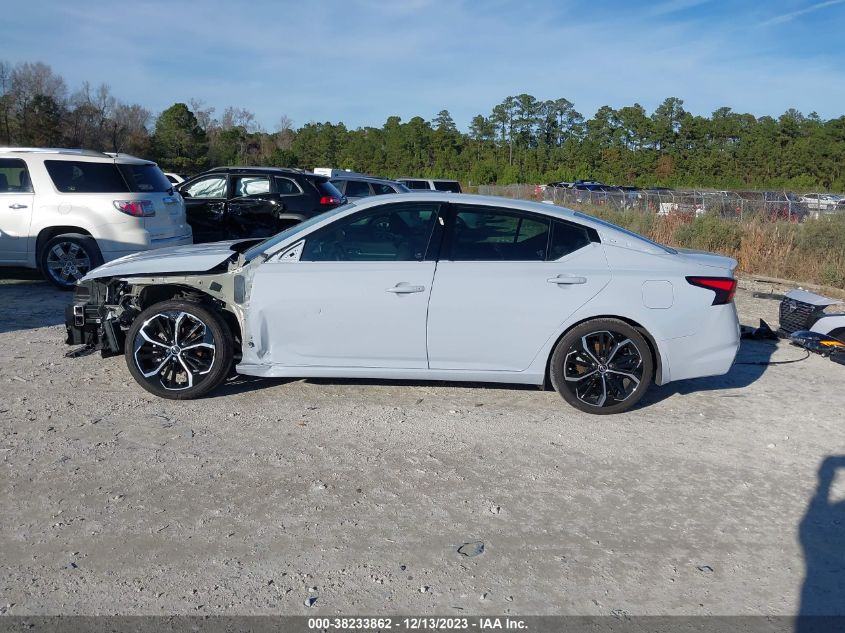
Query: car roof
366, 178
466, 198
614, 234
427, 179
85, 155
253, 169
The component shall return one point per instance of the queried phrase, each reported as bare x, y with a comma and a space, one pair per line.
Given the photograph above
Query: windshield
278, 238
610, 225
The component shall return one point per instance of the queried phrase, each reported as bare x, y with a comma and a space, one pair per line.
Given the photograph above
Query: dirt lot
359, 494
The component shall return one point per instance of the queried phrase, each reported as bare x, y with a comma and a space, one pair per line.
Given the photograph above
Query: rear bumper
709, 352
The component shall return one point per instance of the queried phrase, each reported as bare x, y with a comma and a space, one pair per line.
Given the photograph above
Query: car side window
210, 187
287, 187
85, 177
251, 185
381, 189
357, 189
567, 238
398, 233
493, 234
14, 176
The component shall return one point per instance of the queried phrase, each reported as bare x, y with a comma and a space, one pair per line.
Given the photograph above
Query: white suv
66, 212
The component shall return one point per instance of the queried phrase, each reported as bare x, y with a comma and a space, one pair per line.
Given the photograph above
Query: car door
505, 283
253, 209
16, 202
356, 296
205, 207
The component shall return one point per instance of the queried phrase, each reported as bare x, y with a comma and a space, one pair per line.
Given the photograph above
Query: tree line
522, 139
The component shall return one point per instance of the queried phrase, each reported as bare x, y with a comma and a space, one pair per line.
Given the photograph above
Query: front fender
829, 323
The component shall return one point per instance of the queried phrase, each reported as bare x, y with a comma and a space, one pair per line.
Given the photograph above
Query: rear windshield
447, 185
84, 177
610, 225
416, 184
145, 178
327, 189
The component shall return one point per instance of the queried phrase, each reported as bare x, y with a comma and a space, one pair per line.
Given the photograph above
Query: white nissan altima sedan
432, 286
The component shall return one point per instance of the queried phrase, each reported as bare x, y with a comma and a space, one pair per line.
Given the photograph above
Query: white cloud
674, 6
791, 15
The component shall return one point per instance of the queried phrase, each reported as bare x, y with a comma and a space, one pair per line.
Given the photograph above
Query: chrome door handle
17, 206
567, 280
405, 289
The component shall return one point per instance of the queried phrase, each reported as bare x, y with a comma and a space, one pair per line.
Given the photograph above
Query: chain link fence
770, 205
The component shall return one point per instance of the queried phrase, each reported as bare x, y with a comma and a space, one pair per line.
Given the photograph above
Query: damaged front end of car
91, 320
103, 310
104, 307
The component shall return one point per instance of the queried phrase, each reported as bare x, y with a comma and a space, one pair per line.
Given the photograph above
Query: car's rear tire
602, 366
179, 349
65, 259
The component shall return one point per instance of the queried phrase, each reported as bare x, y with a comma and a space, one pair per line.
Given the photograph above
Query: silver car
433, 286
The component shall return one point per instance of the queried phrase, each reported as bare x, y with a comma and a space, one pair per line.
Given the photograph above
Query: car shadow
239, 383
751, 363
822, 537
29, 302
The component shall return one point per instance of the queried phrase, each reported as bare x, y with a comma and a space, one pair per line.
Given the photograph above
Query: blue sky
359, 61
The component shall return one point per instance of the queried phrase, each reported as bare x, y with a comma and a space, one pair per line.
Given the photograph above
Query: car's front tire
179, 349
602, 366
65, 259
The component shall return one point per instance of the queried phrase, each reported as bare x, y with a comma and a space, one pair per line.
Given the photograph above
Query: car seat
26, 183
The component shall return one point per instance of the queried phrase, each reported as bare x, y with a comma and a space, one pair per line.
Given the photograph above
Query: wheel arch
48, 233
652, 343
156, 293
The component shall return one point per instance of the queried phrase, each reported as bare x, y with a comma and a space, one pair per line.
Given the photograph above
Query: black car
227, 203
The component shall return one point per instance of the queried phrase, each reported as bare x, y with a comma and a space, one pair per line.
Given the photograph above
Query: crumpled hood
193, 258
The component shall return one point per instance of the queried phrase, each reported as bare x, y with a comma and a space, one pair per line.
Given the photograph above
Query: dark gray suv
356, 187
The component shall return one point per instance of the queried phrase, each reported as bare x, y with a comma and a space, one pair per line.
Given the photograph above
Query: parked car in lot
357, 187
419, 286
819, 201
66, 211
242, 202
431, 184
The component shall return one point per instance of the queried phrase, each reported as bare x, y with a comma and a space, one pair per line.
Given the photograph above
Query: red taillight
329, 200
724, 287
137, 208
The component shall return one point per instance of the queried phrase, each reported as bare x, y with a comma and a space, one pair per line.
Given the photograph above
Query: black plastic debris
761, 333
838, 357
815, 342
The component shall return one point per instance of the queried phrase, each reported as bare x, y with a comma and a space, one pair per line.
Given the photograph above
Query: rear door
16, 201
505, 283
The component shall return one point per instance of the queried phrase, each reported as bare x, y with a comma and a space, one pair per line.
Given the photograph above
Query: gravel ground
359, 494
